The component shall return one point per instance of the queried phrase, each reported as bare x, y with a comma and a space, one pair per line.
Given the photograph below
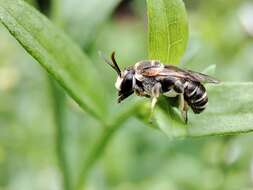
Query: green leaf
229, 111
55, 52
167, 30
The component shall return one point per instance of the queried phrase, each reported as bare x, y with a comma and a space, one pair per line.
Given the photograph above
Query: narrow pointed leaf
55, 52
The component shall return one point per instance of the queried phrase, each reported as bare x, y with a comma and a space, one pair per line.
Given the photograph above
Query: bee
151, 78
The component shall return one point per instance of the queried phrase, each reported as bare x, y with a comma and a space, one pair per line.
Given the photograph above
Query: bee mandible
151, 78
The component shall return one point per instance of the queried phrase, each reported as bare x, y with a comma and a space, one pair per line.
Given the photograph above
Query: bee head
125, 84
125, 80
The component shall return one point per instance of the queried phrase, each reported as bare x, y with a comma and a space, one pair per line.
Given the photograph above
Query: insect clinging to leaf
151, 78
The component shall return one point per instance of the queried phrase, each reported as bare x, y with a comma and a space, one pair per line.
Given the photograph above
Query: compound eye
127, 83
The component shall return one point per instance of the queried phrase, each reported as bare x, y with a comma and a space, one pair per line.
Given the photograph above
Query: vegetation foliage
69, 55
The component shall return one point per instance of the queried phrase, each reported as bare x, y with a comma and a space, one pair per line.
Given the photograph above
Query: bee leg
186, 111
179, 87
183, 107
155, 93
138, 91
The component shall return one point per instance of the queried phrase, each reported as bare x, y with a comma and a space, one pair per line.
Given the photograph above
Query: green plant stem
58, 99
95, 154
104, 139
55, 13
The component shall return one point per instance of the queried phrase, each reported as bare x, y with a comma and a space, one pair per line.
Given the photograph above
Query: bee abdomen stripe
198, 110
201, 103
201, 98
196, 97
202, 106
193, 92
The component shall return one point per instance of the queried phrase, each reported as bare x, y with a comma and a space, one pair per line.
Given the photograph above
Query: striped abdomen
196, 96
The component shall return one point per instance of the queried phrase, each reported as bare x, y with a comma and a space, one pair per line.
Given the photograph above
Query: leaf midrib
47, 67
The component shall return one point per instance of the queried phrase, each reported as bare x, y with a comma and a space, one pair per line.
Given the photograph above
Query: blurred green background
221, 33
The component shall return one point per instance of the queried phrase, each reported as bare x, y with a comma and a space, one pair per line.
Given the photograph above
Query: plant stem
105, 137
95, 153
59, 105
58, 108
55, 13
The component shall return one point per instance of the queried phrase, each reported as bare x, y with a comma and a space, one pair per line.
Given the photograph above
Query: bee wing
171, 72
202, 77
175, 72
